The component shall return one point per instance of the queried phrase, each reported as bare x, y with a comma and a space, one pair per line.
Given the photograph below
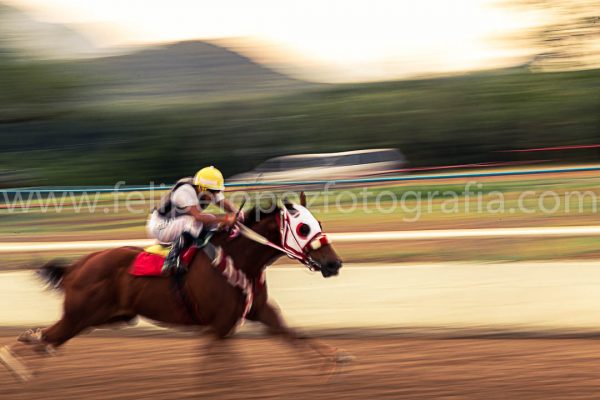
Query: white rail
21, 247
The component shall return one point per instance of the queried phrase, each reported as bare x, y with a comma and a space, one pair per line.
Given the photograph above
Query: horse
99, 290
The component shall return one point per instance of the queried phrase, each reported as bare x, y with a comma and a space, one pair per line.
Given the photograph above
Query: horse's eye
303, 230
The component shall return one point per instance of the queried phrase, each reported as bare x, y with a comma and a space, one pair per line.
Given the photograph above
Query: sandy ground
494, 297
122, 367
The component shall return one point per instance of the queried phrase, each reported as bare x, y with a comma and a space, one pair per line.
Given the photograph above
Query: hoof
31, 336
343, 357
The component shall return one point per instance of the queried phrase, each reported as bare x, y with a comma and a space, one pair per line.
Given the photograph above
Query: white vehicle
324, 167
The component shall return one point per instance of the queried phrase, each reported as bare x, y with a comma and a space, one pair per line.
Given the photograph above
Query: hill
23, 34
182, 72
192, 71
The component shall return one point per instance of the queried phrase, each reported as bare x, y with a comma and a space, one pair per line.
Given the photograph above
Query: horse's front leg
269, 315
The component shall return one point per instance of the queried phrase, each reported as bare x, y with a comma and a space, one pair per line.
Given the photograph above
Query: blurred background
95, 93
414, 97
98, 92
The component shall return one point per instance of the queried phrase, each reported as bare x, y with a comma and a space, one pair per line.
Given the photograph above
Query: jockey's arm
228, 206
209, 219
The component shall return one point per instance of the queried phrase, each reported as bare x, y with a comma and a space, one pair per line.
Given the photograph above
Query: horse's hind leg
82, 310
42, 341
73, 323
63, 330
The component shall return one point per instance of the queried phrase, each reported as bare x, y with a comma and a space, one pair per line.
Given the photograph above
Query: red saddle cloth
150, 264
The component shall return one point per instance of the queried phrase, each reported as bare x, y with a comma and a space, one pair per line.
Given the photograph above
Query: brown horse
99, 289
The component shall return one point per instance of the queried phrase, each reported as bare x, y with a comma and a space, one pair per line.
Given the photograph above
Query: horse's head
300, 236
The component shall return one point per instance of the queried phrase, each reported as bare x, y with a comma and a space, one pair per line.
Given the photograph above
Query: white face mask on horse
301, 237
300, 230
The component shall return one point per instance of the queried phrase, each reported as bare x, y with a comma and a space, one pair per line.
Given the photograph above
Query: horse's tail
53, 273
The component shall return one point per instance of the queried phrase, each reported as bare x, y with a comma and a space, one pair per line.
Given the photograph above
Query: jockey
180, 218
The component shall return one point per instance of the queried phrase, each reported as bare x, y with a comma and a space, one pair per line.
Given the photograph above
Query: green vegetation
160, 113
30, 91
436, 121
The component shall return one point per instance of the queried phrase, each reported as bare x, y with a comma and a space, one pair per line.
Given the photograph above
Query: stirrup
171, 264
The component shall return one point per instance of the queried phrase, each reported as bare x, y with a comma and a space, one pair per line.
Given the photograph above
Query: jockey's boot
173, 259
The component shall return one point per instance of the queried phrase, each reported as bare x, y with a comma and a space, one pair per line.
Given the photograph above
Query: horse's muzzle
331, 268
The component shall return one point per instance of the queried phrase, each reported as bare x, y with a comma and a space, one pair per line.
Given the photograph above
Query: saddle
150, 261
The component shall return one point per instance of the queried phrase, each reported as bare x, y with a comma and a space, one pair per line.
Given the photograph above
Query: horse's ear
302, 199
280, 203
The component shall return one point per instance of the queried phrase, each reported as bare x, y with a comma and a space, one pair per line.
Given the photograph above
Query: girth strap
190, 306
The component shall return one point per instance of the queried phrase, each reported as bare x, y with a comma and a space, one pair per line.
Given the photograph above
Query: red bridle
317, 241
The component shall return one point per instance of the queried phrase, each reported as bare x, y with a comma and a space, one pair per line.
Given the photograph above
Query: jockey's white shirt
184, 196
167, 230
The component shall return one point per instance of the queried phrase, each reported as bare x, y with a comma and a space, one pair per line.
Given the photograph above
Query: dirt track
391, 368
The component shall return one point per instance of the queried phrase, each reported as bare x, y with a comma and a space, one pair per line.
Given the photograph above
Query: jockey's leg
173, 258
181, 232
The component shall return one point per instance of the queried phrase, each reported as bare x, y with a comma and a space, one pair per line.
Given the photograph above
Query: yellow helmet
209, 178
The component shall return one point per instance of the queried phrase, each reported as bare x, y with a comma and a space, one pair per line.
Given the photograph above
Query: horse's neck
250, 257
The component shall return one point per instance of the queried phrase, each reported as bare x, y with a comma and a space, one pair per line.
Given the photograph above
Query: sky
322, 40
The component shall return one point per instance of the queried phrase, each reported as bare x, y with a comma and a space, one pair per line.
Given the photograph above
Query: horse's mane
260, 212
257, 214
252, 217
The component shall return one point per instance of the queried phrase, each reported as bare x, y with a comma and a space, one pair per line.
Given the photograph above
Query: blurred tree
570, 36
454, 120
29, 89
